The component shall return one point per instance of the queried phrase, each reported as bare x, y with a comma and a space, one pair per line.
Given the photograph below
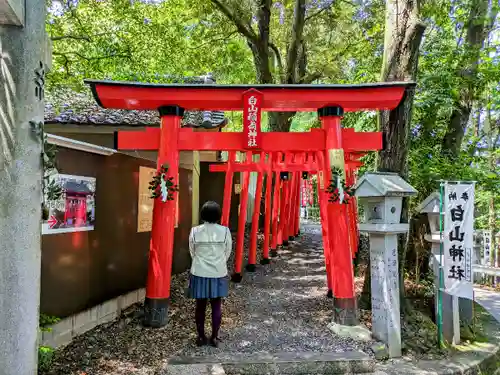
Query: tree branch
328, 7
66, 54
242, 28
310, 78
278, 59
297, 31
87, 38
220, 37
264, 16
75, 37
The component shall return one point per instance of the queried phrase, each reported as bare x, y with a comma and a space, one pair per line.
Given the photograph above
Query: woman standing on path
210, 245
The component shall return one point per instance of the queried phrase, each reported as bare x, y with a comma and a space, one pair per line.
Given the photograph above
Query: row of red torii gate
332, 153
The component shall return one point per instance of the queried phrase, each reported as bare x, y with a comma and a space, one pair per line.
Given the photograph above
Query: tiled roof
66, 106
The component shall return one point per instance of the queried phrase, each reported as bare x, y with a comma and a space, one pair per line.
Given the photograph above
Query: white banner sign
487, 248
458, 239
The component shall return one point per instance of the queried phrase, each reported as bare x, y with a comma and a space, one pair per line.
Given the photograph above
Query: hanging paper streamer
163, 187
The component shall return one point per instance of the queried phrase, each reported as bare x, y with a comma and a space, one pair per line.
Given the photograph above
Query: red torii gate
290, 223
328, 144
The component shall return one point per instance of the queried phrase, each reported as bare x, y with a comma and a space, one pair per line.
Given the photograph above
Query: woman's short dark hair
210, 212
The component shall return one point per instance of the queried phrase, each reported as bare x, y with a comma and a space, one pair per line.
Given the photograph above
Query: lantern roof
383, 184
430, 204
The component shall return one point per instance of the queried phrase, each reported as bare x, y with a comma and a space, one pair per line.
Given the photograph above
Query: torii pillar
162, 233
345, 311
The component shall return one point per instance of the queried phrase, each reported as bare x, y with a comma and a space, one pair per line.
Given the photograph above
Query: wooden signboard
145, 203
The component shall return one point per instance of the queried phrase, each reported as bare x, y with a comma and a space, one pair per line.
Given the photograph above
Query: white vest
210, 246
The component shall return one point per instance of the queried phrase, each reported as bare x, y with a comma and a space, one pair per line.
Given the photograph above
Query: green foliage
46, 353
334, 190
440, 85
162, 41
45, 321
428, 165
45, 357
155, 184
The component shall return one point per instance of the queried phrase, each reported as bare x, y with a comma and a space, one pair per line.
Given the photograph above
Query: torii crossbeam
328, 143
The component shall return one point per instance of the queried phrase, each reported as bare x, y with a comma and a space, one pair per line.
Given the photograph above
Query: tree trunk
260, 45
477, 31
280, 121
261, 62
22, 55
403, 36
492, 134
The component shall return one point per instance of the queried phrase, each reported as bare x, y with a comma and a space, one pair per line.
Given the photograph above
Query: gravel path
281, 307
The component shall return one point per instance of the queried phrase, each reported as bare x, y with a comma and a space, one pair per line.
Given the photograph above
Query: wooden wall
82, 269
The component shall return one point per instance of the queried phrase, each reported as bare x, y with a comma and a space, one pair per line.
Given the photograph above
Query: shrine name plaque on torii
329, 143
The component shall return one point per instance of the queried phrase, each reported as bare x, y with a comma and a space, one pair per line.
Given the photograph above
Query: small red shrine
75, 213
331, 152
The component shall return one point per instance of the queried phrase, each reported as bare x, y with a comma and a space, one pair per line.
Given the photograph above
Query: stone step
284, 363
197, 369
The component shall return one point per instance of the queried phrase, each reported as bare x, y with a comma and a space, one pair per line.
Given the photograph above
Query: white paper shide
458, 239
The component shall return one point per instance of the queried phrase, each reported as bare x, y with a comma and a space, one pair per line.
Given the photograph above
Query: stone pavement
490, 300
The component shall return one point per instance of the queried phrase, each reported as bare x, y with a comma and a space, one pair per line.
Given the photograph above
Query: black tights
201, 308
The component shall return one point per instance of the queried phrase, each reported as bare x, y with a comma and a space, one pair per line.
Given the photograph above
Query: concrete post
22, 78
381, 195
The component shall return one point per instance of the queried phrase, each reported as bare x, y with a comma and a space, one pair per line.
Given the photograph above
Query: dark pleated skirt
208, 287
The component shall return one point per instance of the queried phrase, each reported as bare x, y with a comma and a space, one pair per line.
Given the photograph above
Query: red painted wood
215, 141
281, 219
285, 204
337, 220
323, 202
242, 218
311, 196
148, 139
297, 207
252, 254
252, 106
129, 95
344, 273
162, 234
268, 212
293, 202
255, 167
276, 207
287, 224
352, 210
235, 141
351, 226
228, 188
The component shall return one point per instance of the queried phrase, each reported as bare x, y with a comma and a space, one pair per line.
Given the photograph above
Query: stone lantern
381, 196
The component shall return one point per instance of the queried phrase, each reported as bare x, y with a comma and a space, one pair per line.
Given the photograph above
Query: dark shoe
201, 341
214, 342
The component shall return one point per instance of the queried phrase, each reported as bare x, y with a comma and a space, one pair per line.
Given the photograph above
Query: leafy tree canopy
340, 41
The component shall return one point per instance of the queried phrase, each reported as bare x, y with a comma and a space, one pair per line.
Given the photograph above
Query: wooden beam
234, 141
